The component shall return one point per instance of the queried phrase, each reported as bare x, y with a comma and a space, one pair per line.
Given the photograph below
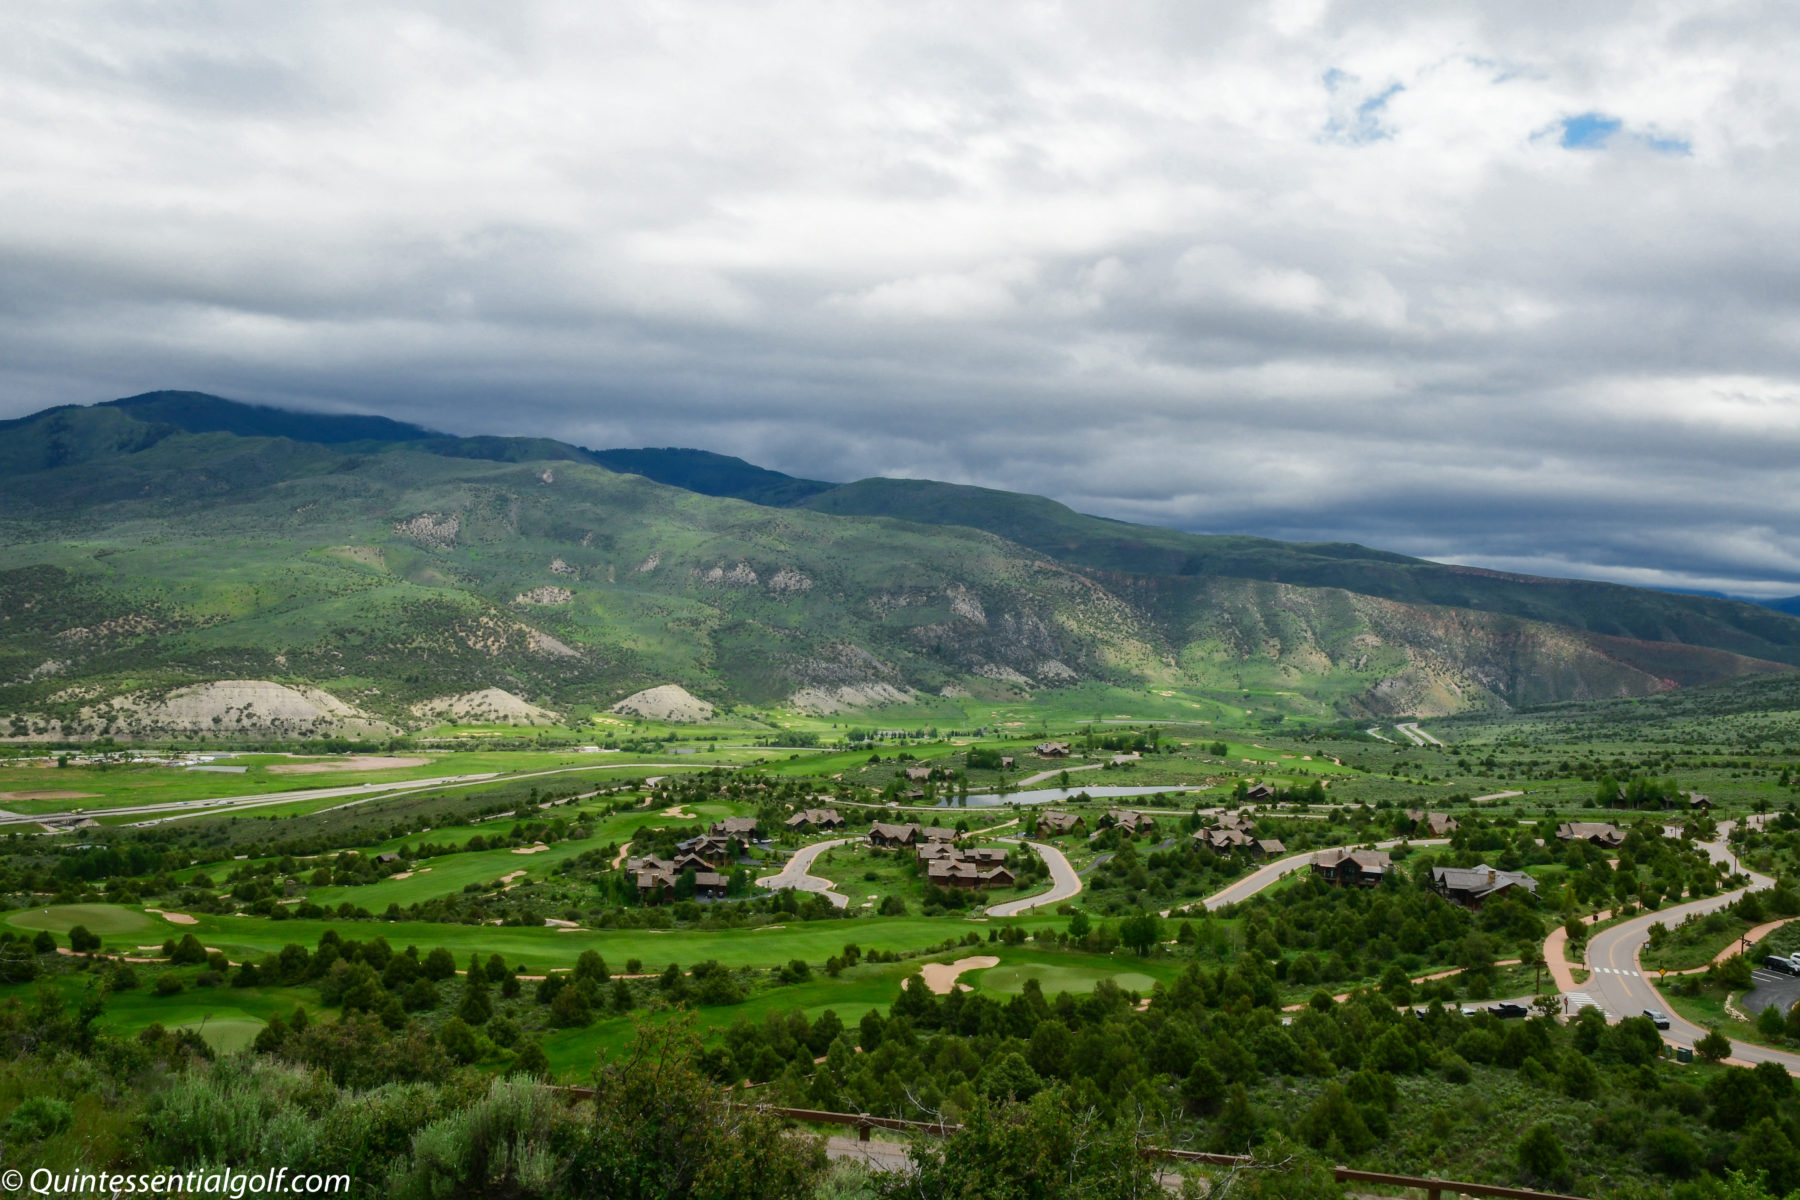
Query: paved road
1263, 876
794, 874
1419, 736
1065, 884
1053, 773
1618, 985
175, 810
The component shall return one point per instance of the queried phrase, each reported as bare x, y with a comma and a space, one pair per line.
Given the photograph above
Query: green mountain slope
138, 559
1633, 614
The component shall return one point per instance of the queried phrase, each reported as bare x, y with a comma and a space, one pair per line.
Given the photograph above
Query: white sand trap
173, 918
941, 977
401, 875
529, 849
559, 923
514, 875
674, 810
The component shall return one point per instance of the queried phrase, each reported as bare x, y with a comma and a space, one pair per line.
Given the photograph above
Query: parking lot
1772, 987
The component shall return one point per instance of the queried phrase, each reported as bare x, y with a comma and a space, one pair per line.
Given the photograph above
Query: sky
1512, 284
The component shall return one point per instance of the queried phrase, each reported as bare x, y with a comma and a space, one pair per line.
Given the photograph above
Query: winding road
1618, 985
1064, 884
795, 873
1263, 876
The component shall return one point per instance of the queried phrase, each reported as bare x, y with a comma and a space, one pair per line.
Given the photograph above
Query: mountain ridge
140, 555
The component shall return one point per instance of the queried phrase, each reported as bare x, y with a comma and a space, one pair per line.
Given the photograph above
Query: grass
102, 919
1009, 978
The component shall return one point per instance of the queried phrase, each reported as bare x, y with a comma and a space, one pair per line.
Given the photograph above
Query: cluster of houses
814, 818
1599, 833
946, 865
704, 855
1230, 833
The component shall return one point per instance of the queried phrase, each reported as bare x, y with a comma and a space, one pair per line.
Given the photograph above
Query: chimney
1491, 877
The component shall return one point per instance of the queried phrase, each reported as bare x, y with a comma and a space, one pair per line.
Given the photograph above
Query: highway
175, 810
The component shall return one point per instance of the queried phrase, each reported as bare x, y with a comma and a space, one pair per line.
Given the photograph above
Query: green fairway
100, 919
1008, 979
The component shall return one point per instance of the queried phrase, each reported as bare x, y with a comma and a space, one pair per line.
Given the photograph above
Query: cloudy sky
1515, 284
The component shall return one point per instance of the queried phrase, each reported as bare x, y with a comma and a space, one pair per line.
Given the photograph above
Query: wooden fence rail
1435, 1188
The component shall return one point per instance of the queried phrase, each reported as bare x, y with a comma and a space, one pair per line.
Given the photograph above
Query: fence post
862, 1128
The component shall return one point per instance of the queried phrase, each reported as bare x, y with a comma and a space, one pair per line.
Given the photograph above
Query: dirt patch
174, 918
49, 794
623, 852
941, 977
671, 702
529, 849
490, 706
360, 762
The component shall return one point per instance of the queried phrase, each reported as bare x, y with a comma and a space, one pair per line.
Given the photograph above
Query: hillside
399, 577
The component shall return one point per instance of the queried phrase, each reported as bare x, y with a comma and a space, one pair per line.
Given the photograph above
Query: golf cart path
1064, 884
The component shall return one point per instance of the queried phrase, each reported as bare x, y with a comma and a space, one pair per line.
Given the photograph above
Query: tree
1769, 1022
1065, 1151
1714, 1047
81, 941
661, 1130
475, 1007
1140, 932
1541, 1157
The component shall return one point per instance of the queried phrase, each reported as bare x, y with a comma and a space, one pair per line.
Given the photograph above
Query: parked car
1507, 1009
1777, 962
1658, 1017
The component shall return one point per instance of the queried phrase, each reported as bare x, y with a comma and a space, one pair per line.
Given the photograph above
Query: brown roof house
1601, 834
1051, 749
1051, 824
1470, 886
1223, 841
1133, 823
1352, 868
815, 818
1436, 824
742, 828
1260, 793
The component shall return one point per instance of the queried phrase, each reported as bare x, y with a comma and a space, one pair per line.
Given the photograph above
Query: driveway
1263, 876
1065, 884
794, 874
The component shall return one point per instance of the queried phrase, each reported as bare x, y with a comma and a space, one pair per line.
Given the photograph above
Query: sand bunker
360, 762
941, 977
51, 794
559, 923
674, 810
529, 849
174, 918
508, 878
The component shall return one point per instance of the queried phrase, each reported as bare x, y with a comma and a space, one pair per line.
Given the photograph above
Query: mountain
346, 574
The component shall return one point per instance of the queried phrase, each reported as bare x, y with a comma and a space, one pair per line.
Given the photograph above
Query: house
1601, 834
1052, 824
1699, 800
1119, 760
1223, 841
890, 837
1006, 762
933, 851
1260, 793
1268, 848
815, 818
655, 876
744, 829
1436, 824
970, 869
1132, 823
389, 857
1470, 886
710, 848
1233, 821
1051, 749
710, 885
1352, 868
918, 774
937, 833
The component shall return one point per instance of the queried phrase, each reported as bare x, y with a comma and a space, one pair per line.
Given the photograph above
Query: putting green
99, 919
227, 1035
1009, 979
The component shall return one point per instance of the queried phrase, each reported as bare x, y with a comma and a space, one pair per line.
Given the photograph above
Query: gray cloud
1386, 273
